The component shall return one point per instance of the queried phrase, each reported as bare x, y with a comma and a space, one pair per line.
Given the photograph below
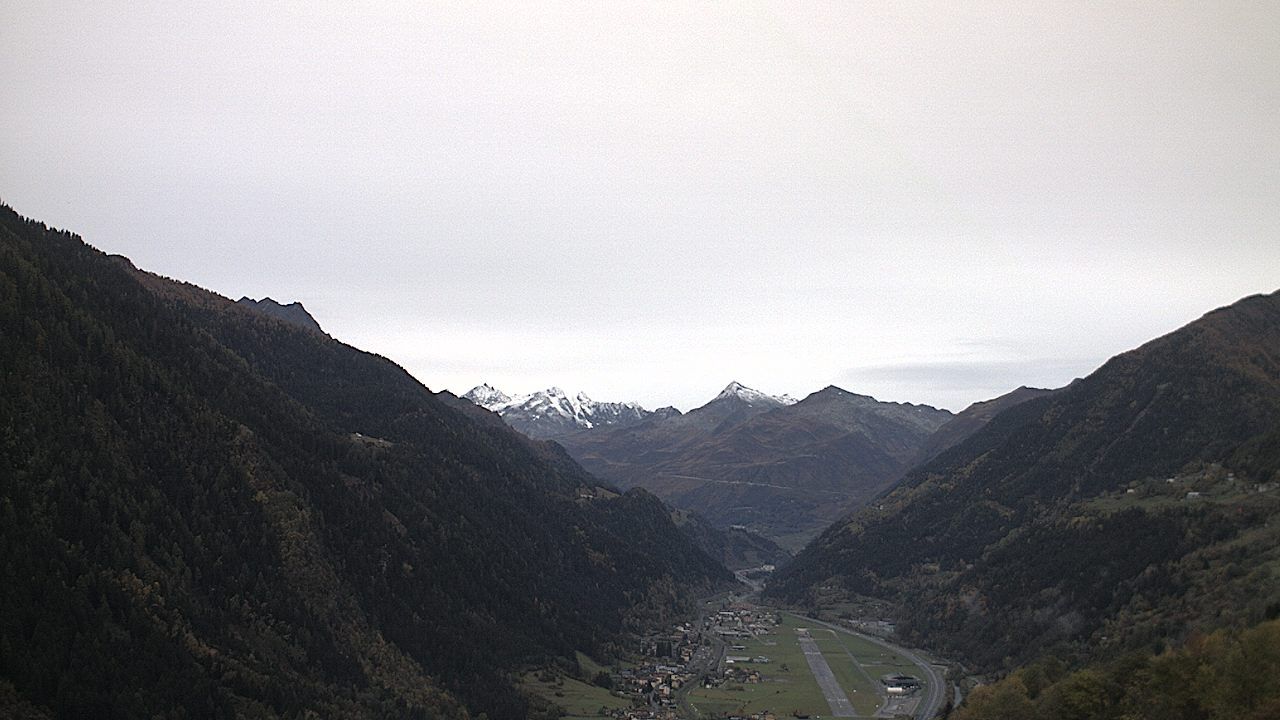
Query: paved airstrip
836, 698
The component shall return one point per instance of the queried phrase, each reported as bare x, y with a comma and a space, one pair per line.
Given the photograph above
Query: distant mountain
782, 468
205, 512
734, 404
487, 397
737, 392
972, 419
1124, 511
551, 413
292, 313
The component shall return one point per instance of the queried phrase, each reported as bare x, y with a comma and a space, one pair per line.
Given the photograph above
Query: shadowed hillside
1126, 509
971, 420
206, 511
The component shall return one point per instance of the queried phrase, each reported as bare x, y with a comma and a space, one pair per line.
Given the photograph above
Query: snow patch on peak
751, 396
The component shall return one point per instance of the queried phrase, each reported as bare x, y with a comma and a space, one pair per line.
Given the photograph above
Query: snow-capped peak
487, 396
750, 396
549, 412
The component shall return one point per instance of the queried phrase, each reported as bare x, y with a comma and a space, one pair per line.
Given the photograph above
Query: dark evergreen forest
207, 512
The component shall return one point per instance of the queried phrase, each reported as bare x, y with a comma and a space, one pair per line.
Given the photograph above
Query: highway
935, 688
708, 660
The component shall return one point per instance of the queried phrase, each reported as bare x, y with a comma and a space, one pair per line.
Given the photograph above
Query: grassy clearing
590, 668
1213, 485
868, 652
579, 699
876, 671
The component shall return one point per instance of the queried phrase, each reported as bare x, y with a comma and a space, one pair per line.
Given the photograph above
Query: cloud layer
644, 202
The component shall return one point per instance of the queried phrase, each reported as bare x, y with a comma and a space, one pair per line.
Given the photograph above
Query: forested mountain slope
205, 511
1122, 511
735, 547
1226, 675
971, 420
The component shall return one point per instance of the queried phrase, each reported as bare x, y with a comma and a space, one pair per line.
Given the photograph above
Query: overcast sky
929, 202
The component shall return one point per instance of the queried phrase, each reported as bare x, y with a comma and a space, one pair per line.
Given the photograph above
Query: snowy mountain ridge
552, 412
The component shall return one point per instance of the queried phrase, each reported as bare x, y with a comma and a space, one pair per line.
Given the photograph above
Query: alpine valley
213, 508
782, 468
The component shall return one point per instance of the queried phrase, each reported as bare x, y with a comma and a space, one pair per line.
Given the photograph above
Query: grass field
787, 683
867, 652
579, 699
861, 689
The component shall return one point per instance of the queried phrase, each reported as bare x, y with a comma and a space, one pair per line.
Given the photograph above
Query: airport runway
935, 685
839, 702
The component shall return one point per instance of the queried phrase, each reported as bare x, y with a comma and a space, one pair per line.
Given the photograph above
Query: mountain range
779, 467
207, 510
552, 413
1125, 511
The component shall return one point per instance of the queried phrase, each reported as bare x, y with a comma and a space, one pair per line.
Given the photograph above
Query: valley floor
743, 659
806, 667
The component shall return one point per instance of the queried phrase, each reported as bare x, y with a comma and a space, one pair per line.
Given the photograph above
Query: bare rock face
292, 313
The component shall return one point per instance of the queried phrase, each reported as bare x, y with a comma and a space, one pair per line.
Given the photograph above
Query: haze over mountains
1123, 512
